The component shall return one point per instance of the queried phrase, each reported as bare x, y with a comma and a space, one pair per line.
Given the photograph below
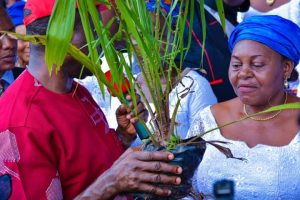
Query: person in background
16, 12
191, 88
195, 90
8, 48
263, 58
216, 53
55, 140
194, 93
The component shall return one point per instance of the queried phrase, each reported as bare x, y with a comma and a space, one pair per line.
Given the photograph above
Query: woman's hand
136, 171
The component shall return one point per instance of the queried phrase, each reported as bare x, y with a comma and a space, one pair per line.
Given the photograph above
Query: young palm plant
155, 39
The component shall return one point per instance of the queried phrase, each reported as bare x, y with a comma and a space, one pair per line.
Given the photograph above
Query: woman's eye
235, 65
257, 65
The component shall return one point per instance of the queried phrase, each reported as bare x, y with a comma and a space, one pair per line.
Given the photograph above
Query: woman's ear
288, 66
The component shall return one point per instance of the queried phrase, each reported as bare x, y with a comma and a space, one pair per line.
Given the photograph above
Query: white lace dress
270, 172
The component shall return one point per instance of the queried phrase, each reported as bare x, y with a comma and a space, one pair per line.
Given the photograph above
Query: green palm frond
59, 33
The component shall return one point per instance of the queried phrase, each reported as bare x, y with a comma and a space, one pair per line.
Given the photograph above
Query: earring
286, 84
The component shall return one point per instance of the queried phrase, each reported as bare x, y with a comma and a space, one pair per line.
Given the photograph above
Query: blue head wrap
16, 12
279, 34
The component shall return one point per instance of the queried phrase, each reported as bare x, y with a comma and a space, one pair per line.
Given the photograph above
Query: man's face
72, 67
8, 45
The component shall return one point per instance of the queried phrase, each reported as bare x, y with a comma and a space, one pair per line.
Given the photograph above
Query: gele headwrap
279, 34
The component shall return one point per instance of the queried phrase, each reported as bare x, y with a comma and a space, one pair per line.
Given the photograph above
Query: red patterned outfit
53, 145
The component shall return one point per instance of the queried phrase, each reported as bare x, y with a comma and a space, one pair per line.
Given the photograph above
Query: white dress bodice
269, 173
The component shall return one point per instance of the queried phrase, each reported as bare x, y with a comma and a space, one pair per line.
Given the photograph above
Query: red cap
36, 9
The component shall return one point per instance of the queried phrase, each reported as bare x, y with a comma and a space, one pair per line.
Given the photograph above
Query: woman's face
257, 73
23, 47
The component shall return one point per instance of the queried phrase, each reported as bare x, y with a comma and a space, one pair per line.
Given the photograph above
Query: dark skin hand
135, 171
126, 120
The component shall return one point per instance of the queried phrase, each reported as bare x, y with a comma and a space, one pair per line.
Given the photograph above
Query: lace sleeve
203, 122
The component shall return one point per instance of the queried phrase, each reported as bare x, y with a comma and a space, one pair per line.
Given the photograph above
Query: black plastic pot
186, 156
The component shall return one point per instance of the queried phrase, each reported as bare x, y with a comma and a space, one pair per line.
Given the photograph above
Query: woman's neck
279, 99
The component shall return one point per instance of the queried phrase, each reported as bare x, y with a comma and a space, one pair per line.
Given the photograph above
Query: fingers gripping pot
187, 156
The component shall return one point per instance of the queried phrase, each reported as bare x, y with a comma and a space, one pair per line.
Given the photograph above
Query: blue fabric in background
16, 12
165, 7
279, 34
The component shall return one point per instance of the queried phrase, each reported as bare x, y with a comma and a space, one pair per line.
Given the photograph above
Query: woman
265, 50
16, 12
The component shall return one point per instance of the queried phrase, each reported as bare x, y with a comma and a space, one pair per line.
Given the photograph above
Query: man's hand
126, 120
136, 171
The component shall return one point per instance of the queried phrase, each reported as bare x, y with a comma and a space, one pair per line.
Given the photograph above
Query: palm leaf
221, 12
59, 33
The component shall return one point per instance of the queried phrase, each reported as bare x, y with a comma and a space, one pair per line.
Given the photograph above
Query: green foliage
59, 33
221, 12
173, 141
150, 37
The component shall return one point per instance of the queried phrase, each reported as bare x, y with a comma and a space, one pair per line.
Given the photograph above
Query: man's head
8, 46
36, 18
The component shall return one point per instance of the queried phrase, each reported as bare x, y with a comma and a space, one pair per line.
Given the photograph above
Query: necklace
267, 118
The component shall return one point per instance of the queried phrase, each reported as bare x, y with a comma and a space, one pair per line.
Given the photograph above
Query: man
55, 140
8, 47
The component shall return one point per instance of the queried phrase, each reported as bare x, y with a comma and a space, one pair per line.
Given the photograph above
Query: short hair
39, 26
